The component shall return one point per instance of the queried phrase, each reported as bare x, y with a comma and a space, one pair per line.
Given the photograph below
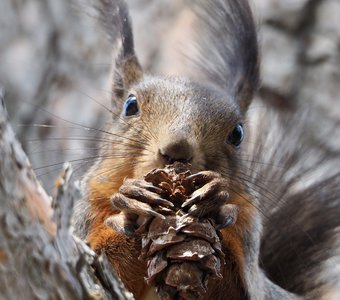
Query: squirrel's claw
210, 198
227, 216
208, 191
129, 205
203, 177
135, 198
141, 184
144, 192
212, 190
209, 205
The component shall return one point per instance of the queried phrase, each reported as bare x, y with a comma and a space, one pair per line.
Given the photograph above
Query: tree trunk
39, 257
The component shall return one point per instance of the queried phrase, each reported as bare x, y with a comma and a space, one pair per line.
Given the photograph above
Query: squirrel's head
168, 119
175, 119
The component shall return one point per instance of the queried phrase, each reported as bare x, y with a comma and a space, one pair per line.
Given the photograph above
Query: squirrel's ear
127, 71
226, 48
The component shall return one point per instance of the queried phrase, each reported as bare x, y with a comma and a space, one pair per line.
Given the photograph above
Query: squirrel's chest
149, 294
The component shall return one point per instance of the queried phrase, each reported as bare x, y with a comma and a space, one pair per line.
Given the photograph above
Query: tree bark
39, 257
54, 59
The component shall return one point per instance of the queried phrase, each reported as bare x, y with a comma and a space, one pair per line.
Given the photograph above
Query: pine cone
182, 252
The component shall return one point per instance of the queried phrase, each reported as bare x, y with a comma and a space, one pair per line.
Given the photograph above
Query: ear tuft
226, 48
116, 20
127, 72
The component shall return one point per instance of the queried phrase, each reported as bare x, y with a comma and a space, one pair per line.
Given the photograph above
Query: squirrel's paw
136, 200
211, 198
138, 197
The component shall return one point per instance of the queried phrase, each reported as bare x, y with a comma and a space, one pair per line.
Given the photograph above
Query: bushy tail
297, 183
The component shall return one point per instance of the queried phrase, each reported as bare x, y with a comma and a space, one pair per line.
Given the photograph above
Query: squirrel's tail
295, 177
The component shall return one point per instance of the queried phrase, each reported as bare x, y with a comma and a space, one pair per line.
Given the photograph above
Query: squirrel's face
173, 119
163, 120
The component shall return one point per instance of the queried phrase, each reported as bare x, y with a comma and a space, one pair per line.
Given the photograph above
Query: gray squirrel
287, 230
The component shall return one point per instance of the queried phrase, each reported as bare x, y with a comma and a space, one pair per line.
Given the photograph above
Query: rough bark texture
39, 258
55, 67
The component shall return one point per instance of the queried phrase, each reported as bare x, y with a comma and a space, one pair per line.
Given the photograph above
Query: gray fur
299, 195
296, 189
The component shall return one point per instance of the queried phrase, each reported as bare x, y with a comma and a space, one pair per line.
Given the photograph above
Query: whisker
83, 149
76, 138
88, 127
113, 156
120, 117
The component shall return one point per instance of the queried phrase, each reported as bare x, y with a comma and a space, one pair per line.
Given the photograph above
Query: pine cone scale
182, 252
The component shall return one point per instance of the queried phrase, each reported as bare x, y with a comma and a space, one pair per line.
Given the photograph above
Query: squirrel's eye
236, 136
130, 106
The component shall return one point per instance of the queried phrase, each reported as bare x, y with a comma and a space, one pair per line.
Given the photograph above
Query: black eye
130, 106
236, 136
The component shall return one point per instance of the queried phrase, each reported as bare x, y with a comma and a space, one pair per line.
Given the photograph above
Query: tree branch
39, 257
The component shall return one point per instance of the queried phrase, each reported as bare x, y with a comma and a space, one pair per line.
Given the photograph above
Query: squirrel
281, 242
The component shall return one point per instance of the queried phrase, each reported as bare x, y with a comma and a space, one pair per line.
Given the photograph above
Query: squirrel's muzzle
178, 151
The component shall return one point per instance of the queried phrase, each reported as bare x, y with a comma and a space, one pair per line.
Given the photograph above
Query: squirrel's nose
180, 151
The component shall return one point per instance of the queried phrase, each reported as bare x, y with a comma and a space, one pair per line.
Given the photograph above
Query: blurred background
56, 62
